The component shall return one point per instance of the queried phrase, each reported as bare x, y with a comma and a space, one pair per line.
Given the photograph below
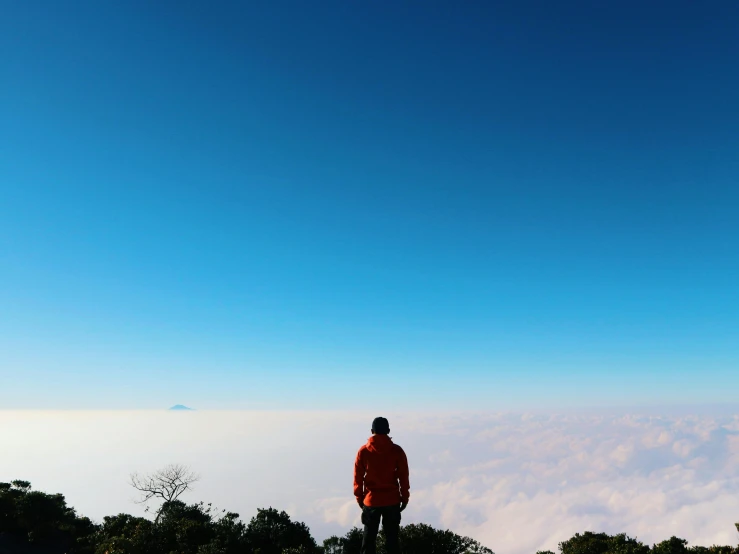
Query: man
381, 487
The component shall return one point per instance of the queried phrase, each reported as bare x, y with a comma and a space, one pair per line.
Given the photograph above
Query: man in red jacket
381, 487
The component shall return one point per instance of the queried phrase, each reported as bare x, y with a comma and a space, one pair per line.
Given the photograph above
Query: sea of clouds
517, 482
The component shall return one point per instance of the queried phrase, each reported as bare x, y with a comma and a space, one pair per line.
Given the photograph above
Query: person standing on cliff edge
381, 487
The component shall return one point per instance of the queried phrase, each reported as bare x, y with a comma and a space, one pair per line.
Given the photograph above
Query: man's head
380, 426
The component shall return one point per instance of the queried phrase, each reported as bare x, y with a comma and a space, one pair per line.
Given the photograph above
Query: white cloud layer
516, 482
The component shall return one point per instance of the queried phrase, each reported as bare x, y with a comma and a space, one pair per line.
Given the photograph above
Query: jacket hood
379, 443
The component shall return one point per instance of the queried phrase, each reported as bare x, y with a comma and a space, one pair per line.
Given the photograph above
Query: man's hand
403, 506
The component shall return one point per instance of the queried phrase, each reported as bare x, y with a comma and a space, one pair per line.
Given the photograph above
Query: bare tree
166, 484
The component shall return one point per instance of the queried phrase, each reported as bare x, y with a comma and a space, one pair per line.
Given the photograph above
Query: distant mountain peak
180, 407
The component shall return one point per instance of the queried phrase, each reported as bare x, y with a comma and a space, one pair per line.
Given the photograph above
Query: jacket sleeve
402, 473
359, 471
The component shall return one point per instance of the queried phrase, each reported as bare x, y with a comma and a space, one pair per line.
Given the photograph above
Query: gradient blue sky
366, 204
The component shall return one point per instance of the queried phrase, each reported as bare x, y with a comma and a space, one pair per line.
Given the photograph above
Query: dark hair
381, 426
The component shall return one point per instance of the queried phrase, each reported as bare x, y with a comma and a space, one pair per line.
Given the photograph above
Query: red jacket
381, 473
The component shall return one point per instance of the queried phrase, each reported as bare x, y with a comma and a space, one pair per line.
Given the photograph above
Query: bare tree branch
166, 484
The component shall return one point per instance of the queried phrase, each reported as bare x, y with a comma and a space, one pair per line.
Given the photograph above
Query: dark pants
390, 523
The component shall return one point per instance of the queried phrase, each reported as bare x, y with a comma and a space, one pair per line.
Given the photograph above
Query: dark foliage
424, 539
673, 545
351, 543
182, 528
124, 534
602, 543
414, 539
33, 522
36, 522
715, 549
272, 532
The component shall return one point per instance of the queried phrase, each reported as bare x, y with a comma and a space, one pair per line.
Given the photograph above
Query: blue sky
367, 204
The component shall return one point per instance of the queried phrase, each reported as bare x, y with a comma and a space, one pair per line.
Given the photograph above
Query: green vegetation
33, 522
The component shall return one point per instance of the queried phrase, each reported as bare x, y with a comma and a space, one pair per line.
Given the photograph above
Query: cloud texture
516, 482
